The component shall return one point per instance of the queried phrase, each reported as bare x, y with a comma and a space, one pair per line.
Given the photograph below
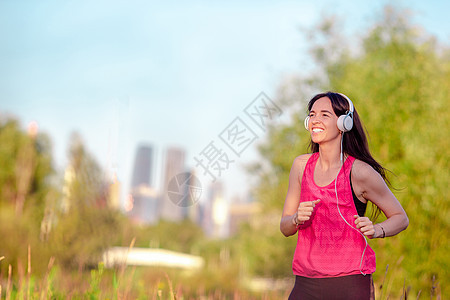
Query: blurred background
145, 147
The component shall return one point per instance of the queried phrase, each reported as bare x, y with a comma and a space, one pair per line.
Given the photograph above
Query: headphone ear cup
340, 123
307, 123
345, 123
348, 122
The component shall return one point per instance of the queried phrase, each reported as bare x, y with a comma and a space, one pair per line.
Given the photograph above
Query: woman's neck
330, 155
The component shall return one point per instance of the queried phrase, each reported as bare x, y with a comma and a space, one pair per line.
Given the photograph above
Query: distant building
145, 206
69, 178
143, 165
114, 193
216, 217
142, 202
174, 165
241, 212
193, 191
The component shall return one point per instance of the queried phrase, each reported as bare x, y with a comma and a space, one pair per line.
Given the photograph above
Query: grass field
157, 283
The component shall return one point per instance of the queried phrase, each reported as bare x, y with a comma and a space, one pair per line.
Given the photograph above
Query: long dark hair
355, 141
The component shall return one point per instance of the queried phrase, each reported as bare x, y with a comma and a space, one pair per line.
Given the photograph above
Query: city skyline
177, 198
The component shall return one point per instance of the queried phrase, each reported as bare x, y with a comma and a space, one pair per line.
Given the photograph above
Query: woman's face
323, 121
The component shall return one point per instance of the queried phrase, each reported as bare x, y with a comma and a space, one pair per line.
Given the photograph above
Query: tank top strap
310, 164
347, 168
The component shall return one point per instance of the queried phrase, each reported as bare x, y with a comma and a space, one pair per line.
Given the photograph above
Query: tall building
240, 213
142, 169
216, 212
145, 208
142, 203
114, 193
192, 193
174, 165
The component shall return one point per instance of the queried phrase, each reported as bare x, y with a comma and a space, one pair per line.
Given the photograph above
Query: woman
326, 201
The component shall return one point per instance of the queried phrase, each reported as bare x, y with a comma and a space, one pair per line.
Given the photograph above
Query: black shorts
355, 287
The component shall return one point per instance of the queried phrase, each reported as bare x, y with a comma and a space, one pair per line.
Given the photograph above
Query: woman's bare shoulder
301, 160
363, 170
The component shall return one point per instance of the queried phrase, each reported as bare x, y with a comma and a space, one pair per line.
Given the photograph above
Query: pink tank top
326, 245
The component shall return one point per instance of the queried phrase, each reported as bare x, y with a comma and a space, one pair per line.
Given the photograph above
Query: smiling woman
326, 201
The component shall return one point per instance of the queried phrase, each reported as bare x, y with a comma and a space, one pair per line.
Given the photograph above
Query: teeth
317, 130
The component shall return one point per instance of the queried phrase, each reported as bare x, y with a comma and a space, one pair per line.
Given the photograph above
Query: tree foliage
25, 173
70, 223
84, 225
398, 81
26, 166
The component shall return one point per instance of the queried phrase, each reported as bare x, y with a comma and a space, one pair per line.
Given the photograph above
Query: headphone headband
350, 103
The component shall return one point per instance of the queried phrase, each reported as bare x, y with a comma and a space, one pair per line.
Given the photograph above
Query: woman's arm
369, 184
291, 203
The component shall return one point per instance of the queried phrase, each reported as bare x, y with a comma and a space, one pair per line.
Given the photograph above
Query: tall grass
156, 284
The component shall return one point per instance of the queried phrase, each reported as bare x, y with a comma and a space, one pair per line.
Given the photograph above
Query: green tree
25, 157
84, 226
403, 80
25, 187
398, 80
84, 180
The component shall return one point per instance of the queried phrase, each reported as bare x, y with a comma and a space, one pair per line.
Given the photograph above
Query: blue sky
169, 73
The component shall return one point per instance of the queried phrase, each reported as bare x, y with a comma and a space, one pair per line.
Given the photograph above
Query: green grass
153, 283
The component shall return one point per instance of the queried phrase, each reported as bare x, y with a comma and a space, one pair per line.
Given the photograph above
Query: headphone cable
337, 204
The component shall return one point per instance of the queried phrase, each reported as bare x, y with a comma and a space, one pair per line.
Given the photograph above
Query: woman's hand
305, 211
365, 226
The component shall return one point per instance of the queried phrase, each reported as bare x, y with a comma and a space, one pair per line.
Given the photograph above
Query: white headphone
344, 122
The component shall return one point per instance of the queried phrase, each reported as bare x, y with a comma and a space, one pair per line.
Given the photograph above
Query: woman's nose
315, 120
